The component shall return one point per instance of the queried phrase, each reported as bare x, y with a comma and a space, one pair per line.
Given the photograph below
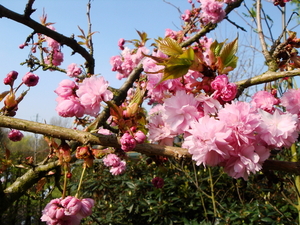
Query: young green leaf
228, 52
169, 46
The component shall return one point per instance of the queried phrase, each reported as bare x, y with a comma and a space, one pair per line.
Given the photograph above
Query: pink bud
15, 135
22, 45
83, 152
30, 79
10, 78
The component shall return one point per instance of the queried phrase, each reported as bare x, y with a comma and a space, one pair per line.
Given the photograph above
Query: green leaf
175, 68
130, 185
227, 54
216, 47
169, 46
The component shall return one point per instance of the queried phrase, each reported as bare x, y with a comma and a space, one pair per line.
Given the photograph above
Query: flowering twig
63, 40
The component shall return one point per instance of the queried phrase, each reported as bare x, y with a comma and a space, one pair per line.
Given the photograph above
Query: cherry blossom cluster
117, 166
127, 61
69, 210
237, 135
82, 98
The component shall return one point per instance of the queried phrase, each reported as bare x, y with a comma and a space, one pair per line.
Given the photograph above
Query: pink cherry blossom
207, 141
69, 107
241, 164
291, 101
186, 16
73, 70
239, 118
264, 100
30, 79
140, 137
15, 135
181, 110
171, 33
66, 88
212, 11
128, 60
117, 170
91, 92
209, 105
225, 91
159, 130
127, 142
278, 129
67, 211
111, 160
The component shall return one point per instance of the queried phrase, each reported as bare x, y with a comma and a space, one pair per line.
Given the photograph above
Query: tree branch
264, 78
39, 28
112, 141
23, 183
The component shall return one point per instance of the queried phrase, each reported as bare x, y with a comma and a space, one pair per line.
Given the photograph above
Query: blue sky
113, 19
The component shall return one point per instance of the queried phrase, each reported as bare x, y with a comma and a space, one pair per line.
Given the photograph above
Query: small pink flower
278, 129
111, 160
66, 88
91, 92
117, 170
181, 110
67, 211
225, 91
212, 11
291, 101
73, 70
15, 135
30, 79
69, 107
158, 182
140, 137
86, 208
127, 142
264, 100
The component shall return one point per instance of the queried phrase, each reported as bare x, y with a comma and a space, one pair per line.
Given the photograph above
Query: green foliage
186, 196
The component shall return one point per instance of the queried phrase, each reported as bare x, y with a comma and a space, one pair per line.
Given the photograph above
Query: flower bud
83, 152
30, 79
10, 101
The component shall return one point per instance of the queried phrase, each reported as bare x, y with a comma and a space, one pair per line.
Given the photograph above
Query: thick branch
112, 141
86, 137
264, 78
39, 28
23, 183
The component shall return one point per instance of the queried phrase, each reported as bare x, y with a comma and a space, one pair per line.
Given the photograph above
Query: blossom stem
297, 180
80, 182
65, 182
212, 192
